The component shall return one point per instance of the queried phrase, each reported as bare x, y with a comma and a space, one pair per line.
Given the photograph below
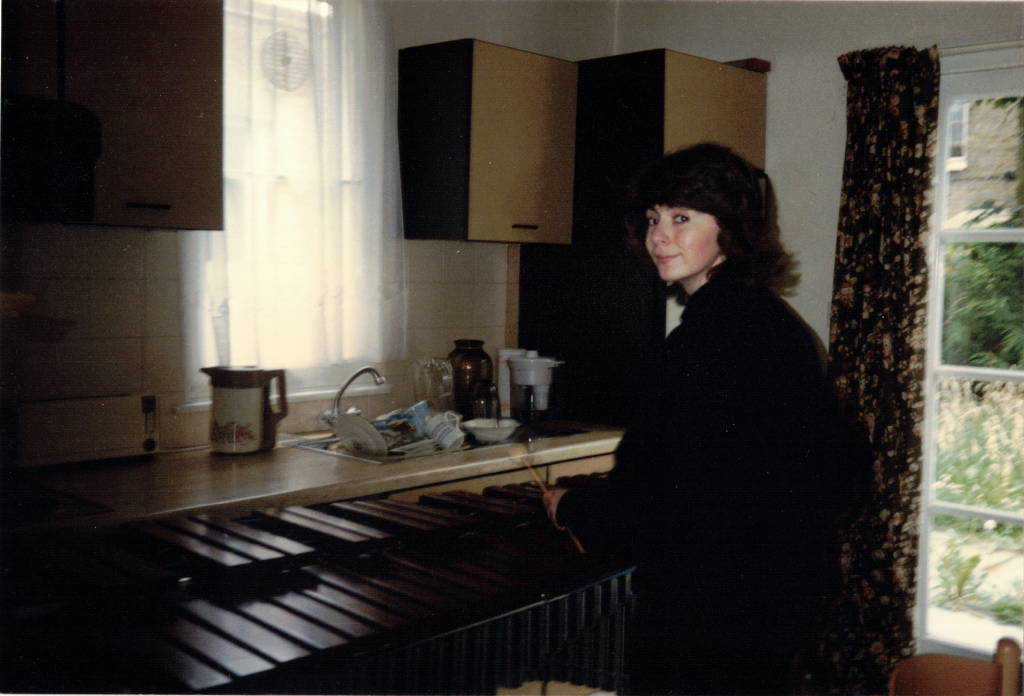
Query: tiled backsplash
459, 290
109, 299
107, 318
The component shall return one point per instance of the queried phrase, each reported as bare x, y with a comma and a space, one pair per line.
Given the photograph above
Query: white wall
567, 29
806, 90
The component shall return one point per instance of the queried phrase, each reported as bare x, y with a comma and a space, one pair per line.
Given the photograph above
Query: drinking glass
433, 382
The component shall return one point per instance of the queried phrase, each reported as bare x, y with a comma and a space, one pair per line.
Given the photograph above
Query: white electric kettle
242, 418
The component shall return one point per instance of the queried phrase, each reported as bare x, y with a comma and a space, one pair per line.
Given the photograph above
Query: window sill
958, 633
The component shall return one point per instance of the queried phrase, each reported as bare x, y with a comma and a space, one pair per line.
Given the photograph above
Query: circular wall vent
285, 60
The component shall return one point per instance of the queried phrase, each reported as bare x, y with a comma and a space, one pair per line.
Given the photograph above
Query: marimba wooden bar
461, 593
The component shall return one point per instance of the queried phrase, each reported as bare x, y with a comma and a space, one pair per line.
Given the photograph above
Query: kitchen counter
106, 493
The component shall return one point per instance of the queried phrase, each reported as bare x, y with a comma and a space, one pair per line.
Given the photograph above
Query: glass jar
470, 365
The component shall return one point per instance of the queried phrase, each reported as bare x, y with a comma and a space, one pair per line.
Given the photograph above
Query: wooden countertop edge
198, 481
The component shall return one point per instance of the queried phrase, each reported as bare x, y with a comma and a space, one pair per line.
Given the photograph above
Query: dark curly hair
712, 179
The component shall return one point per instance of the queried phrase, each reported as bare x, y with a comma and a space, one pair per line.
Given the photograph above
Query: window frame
959, 162
992, 73
375, 264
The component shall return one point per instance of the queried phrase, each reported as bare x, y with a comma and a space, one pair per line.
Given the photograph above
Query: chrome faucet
329, 418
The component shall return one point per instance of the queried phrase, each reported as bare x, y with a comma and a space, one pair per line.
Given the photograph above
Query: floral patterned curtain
876, 348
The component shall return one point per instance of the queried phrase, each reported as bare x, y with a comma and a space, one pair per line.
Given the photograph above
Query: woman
738, 466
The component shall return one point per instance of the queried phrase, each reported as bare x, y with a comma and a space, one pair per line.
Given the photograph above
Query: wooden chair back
946, 675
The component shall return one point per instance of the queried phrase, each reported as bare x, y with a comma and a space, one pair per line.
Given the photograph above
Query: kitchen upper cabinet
708, 101
598, 304
151, 72
636, 107
486, 135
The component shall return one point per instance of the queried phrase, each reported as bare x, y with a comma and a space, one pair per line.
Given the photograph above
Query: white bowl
490, 429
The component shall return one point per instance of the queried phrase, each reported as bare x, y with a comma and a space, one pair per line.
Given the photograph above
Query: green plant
984, 302
1009, 608
957, 582
991, 214
979, 431
974, 530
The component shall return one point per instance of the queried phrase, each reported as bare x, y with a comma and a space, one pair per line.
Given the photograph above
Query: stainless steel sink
328, 445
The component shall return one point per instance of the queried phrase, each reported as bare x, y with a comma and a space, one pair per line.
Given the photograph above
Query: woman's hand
551, 498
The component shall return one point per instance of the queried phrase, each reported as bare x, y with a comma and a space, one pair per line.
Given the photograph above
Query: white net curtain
308, 274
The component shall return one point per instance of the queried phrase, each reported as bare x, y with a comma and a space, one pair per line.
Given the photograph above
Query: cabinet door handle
147, 206
525, 227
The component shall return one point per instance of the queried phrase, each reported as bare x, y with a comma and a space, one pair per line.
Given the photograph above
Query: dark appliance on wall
47, 154
49, 146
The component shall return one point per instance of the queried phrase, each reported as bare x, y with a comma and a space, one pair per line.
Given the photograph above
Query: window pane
983, 308
957, 146
983, 189
975, 581
979, 440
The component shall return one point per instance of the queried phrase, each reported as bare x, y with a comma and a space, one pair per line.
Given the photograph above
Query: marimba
460, 593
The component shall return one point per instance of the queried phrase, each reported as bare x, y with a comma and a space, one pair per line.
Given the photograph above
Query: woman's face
683, 243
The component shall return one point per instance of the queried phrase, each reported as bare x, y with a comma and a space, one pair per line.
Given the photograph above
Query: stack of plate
358, 436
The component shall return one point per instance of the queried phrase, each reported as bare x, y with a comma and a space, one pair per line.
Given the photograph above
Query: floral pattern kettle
242, 418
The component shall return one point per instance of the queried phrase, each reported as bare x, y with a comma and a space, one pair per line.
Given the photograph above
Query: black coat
727, 490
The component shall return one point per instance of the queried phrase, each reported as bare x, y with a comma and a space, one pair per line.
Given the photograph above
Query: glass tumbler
433, 382
485, 401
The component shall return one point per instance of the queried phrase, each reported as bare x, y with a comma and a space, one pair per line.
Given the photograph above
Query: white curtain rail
978, 48
963, 60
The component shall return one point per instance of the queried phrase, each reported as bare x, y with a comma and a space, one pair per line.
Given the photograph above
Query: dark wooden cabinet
598, 304
150, 72
486, 136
